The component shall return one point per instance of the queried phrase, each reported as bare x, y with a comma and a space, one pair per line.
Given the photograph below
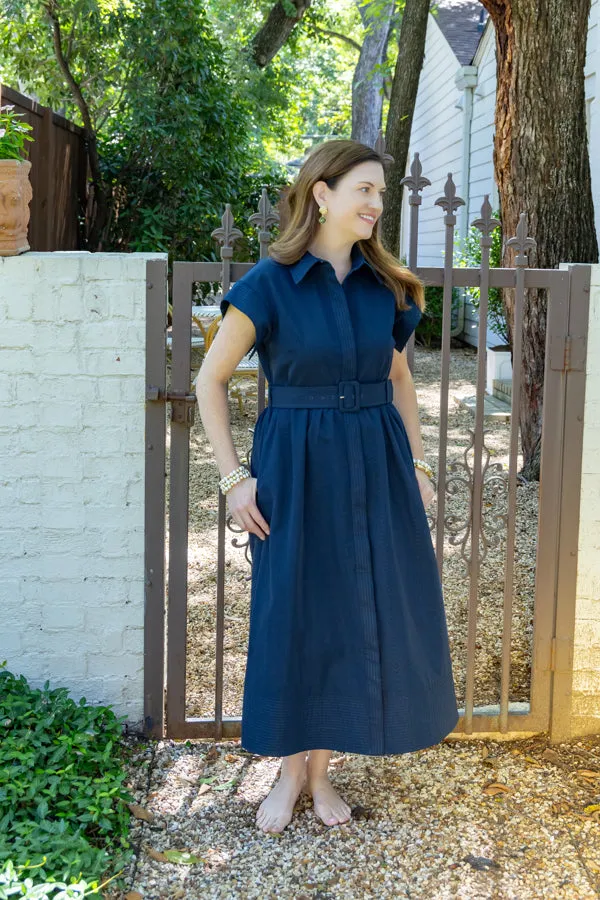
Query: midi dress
348, 646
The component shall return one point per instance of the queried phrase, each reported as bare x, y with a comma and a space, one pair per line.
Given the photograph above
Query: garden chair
247, 369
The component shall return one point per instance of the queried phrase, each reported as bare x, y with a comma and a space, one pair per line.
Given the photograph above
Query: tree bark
99, 217
367, 81
275, 31
541, 165
411, 48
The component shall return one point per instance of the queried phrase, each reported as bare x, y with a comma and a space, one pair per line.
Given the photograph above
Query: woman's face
356, 203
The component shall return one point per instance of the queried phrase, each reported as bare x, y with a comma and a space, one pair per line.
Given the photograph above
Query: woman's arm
235, 336
405, 401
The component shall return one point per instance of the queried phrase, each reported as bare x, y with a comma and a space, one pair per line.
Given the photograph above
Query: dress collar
307, 261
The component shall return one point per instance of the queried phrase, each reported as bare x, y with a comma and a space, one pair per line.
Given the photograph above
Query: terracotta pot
15, 196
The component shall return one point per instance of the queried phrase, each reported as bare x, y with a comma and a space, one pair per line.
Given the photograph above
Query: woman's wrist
234, 477
423, 466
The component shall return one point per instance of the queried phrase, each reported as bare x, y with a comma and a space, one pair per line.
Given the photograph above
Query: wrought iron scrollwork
234, 527
460, 480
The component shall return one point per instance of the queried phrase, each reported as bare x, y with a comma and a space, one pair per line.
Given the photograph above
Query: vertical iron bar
154, 501
179, 500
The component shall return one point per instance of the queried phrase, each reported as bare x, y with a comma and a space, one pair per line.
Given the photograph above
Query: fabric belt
348, 396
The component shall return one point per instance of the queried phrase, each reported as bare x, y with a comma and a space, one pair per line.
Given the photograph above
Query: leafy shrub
429, 329
184, 142
468, 254
61, 783
14, 883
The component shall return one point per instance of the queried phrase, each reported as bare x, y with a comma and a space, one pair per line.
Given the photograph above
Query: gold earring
323, 211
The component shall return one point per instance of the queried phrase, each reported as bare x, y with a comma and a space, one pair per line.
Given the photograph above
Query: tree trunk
367, 81
411, 48
541, 165
275, 31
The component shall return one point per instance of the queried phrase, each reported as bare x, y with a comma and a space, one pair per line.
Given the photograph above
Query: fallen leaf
588, 773
593, 807
211, 754
534, 762
154, 854
140, 812
231, 757
224, 786
134, 895
186, 779
182, 857
204, 788
551, 756
495, 787
480, 862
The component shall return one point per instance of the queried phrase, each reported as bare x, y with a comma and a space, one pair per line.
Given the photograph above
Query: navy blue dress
348, 644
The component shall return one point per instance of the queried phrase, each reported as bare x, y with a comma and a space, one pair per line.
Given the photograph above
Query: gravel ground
465, 818
427, 824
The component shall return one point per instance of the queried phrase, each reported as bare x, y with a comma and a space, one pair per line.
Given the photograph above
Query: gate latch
183, 403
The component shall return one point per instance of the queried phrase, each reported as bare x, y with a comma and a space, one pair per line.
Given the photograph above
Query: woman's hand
241, 500
425, 486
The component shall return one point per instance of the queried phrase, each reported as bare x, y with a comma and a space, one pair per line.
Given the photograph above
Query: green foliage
429, 329
92, 38
468, 254
14, 882
179, 149
13, 134
62, 798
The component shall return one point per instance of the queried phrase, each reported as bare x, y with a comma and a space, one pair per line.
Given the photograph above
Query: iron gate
555, 576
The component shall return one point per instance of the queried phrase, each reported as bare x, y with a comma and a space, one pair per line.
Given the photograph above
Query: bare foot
329, 806
276, 810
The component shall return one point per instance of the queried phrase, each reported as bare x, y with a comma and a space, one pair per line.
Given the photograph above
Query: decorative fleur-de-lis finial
415, 181
380, 147
522, 242
486, 223
227, 233
265, 217
449, 202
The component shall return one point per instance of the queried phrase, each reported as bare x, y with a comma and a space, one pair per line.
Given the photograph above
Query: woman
348, 646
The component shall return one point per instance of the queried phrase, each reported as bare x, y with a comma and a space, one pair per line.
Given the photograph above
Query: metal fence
471, 475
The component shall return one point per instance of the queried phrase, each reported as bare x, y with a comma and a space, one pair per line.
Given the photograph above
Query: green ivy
63, 804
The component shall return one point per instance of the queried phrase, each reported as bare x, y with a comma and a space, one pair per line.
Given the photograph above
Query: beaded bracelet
421, 464
228, 481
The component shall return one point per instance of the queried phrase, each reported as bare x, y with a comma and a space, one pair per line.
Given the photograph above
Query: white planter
498, 366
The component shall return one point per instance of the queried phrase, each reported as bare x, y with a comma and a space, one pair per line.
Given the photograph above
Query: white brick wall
72, 403
586, 652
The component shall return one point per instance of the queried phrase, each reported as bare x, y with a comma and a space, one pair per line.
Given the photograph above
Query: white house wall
437, 135
481, 158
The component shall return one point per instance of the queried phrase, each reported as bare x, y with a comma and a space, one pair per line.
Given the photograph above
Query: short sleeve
256, 308
405, 322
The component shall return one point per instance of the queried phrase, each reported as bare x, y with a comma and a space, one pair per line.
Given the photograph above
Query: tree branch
274, 32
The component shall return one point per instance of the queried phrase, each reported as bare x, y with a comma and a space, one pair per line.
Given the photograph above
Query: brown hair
328, 162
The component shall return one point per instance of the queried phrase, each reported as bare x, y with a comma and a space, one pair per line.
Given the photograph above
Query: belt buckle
344, 390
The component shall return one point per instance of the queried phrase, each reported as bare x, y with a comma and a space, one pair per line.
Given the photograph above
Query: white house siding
437, 137
481, 161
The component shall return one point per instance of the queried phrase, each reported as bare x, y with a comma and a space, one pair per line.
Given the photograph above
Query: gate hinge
183, 403
567, 353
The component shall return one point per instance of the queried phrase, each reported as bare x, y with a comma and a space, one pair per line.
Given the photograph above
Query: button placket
362, 548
